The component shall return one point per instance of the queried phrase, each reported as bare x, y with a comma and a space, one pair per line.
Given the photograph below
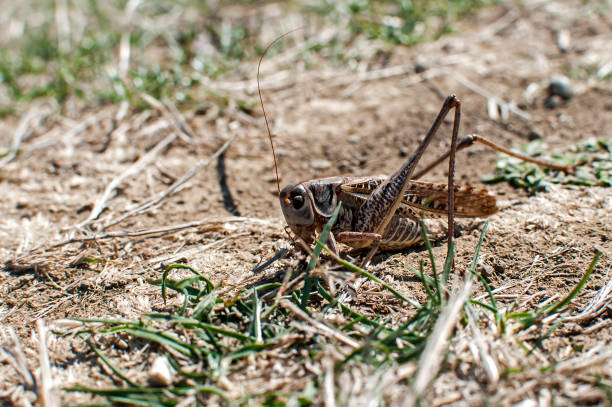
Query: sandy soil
332, 121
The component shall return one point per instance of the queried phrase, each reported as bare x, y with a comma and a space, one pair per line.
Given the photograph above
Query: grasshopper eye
296, 205
297, 200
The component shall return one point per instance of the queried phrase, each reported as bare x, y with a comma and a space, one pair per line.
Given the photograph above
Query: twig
122, 111
58, 134
179, 119
321, 327
374, 75
134, 169
497, 26
188, 175
597, 327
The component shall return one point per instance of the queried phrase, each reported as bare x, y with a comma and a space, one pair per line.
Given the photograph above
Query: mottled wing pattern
432, 198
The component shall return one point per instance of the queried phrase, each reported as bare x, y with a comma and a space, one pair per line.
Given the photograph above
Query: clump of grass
592, 160
404, 22
210, 337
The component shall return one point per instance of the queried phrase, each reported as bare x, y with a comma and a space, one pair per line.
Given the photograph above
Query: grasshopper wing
429, 198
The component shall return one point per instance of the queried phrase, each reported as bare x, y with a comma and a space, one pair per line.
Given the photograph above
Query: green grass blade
369, 276
110, 365
432, 259
448, 264
493, 306
345, 309
478, 246
315, 255
204, 307
163, 339
193, 323
551, 309
485, 306
210, 286
424, 280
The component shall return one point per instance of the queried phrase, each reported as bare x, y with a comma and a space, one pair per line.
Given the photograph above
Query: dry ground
328, 121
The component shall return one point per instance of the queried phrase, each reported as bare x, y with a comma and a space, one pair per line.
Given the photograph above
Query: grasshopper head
297, 207
307, 205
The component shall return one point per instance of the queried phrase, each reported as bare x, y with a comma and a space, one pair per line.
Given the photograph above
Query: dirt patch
362, 121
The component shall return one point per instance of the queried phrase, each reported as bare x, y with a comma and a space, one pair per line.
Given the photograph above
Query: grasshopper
381, 212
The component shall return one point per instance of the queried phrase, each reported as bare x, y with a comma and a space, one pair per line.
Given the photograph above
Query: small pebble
161, 372
353, 138
531, 91
320, 164
533, 135
552, 101
420, 65
493, 109
561, 86
563, 40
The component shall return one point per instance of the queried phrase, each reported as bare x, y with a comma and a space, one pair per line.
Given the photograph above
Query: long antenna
262, 103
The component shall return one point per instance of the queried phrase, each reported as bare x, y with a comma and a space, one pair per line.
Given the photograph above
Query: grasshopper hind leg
362, 240
359, 240
399, 234
379, 210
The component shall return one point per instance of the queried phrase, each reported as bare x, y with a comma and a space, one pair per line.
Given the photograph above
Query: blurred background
85, 53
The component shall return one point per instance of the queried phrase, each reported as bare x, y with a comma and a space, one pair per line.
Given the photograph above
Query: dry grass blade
62, 21
162, 230
328, 383
320, 327
186, 254
138, 166
598, 356
11, 347
124, 44
173, 117
20, 133
47, 396
200, 165
487, 362
599, 303
432, 355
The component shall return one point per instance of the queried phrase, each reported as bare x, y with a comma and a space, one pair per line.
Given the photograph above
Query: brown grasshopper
385, 212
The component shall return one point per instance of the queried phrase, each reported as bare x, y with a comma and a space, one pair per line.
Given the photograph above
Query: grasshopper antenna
262, 103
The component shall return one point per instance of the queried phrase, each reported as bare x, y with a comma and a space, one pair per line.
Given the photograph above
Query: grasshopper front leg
373, 217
